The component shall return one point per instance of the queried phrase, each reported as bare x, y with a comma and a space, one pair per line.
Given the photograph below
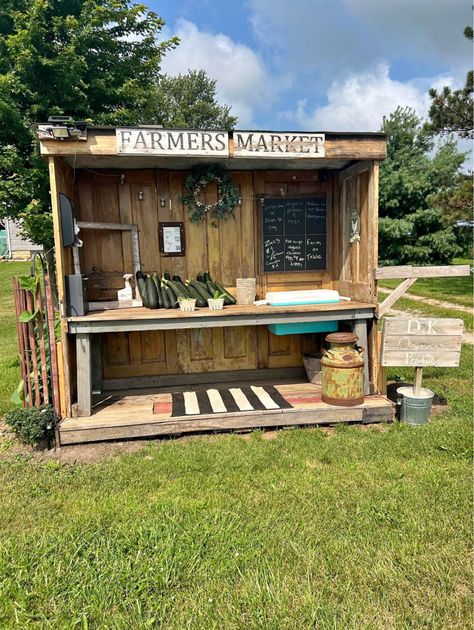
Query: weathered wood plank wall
229, 251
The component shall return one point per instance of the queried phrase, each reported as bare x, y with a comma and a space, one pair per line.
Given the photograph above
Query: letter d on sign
414, 327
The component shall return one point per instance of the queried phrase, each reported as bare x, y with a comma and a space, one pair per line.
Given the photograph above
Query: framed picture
171, 237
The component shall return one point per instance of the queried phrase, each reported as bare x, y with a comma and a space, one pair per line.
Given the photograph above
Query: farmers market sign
152, 141
279, 145
246, 144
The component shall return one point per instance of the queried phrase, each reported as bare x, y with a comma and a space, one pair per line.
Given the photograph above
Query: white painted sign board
171, 142
278, 144
421, 342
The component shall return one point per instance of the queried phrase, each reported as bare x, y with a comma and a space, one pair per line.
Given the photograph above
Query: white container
316, 296
125, 295
187, 305
216, 304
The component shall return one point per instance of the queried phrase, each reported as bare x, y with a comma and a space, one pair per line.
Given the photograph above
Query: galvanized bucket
415, 410
312, 364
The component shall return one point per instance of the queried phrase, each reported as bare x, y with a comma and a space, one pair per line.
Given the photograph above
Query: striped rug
228, 400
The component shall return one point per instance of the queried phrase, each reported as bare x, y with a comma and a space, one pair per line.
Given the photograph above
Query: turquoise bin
303, 327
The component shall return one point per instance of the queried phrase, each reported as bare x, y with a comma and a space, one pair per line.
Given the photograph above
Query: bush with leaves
31, 424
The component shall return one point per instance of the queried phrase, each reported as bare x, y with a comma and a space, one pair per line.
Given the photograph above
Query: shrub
30, 424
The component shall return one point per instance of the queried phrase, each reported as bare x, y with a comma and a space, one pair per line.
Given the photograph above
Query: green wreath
227, 193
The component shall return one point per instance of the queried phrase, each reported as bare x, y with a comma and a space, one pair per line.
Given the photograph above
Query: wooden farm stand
135, 358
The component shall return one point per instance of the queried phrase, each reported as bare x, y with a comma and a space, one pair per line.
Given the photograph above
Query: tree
452, 111
412, 228
189, 100
456, 208
91, 59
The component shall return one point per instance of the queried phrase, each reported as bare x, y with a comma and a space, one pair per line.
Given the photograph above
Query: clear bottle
125, 295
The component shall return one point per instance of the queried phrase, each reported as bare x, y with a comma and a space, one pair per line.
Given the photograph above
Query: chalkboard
273, 217
294, 234
274, 253
295, 216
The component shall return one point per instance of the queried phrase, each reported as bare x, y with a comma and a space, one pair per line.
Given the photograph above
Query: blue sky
320, 64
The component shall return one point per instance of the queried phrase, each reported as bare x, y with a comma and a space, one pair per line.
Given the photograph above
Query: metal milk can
342, 368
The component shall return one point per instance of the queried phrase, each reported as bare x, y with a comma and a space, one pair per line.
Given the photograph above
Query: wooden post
84, 374
52, 343
19, 331
418, 377
359, 326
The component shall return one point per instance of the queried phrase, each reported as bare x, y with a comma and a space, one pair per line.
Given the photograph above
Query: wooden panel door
276, 351
223, 249
357, 260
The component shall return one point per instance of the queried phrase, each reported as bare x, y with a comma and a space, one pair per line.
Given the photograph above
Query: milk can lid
342, 337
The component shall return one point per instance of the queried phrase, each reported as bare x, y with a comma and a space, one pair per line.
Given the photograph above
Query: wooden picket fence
37, 345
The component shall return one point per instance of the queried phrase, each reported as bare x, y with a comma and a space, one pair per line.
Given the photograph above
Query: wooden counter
129, 319
133, 319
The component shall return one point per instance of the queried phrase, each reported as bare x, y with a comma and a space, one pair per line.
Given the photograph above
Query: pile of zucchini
165, 291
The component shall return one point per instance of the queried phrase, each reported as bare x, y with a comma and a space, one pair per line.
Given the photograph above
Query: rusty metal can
342, 370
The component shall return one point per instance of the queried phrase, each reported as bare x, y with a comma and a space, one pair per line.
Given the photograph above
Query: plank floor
124, 415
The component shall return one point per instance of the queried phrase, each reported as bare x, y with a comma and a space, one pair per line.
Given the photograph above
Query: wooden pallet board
126, 416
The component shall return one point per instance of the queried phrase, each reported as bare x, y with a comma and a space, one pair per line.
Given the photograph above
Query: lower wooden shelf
126, 415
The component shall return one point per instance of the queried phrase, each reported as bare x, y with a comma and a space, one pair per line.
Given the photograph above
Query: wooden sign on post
421, 342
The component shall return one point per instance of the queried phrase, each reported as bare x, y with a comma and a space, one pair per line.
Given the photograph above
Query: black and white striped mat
228, 400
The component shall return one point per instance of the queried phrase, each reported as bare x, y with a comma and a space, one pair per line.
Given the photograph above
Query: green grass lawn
457, 290
357, 527
346, 529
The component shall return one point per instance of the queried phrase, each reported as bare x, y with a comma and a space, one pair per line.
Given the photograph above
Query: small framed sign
171, 237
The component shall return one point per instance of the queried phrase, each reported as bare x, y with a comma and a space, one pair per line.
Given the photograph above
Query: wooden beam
91, 225
395, 295
185, 322
224, 422
355, 168
61, 180
418, 379
103, 143
422, 272
123, 227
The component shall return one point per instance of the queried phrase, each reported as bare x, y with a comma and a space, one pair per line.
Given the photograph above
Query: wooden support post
84, 374
96, 353
360, 329
381, 370
394, 296
418, 377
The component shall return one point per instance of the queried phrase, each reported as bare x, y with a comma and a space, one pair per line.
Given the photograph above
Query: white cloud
334, 37
422, 28
242, 79
359, 101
